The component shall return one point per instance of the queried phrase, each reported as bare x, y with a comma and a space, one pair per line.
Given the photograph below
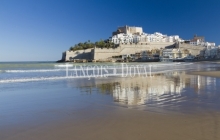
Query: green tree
88, 44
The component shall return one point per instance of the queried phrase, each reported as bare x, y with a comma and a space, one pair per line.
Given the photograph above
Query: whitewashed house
136, 37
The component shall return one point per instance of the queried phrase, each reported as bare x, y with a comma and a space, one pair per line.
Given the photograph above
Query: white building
127, 36
195, 42
200, 41
211, 52
122, 38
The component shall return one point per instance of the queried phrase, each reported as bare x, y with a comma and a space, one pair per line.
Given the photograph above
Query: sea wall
105, 53
79, 54
194, 50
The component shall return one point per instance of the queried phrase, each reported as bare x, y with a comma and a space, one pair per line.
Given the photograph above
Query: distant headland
131, 44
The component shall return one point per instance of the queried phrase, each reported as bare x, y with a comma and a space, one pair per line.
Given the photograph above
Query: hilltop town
131, 44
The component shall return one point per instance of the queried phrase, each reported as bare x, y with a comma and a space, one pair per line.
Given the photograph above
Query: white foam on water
66, 65
172, 64
34, 79
40, 70
83, 76
78, 68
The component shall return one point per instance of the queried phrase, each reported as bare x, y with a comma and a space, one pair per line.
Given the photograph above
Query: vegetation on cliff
88, 45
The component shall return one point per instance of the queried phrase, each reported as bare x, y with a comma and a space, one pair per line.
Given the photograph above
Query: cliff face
79, 54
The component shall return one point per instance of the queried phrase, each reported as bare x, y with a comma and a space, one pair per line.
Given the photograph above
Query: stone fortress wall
193, 50
100, 54
104, 53
79, 54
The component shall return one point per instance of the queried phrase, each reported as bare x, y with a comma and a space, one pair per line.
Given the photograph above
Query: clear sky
40, 30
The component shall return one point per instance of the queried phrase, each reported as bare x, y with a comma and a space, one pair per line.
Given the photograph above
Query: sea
30, 89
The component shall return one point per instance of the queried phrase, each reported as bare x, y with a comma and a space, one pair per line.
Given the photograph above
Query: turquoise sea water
29, 90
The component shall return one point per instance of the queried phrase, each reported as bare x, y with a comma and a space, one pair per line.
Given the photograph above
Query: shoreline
215, 74
144, 61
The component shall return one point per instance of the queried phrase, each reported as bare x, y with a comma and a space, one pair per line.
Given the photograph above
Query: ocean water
14, 72
29, 90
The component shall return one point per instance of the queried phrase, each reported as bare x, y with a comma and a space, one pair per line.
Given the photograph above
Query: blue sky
40, 30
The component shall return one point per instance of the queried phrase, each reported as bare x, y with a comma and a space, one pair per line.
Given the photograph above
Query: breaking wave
89, 68
33, 79
40, 70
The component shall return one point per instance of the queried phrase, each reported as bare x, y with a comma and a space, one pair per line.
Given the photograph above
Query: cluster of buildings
184, 50
200, 40
132, 44
196, 48
128, 34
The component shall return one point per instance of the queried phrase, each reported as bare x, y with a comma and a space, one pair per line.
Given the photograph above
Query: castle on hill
133, 43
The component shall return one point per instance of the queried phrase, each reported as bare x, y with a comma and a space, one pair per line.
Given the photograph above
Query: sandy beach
169, 106
120, 124
207, 73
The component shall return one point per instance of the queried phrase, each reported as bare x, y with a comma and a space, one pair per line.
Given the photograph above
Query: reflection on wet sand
105, 109
174, 89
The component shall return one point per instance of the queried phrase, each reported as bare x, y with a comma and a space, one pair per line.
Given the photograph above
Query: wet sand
111, 123
68, 115
207, 73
